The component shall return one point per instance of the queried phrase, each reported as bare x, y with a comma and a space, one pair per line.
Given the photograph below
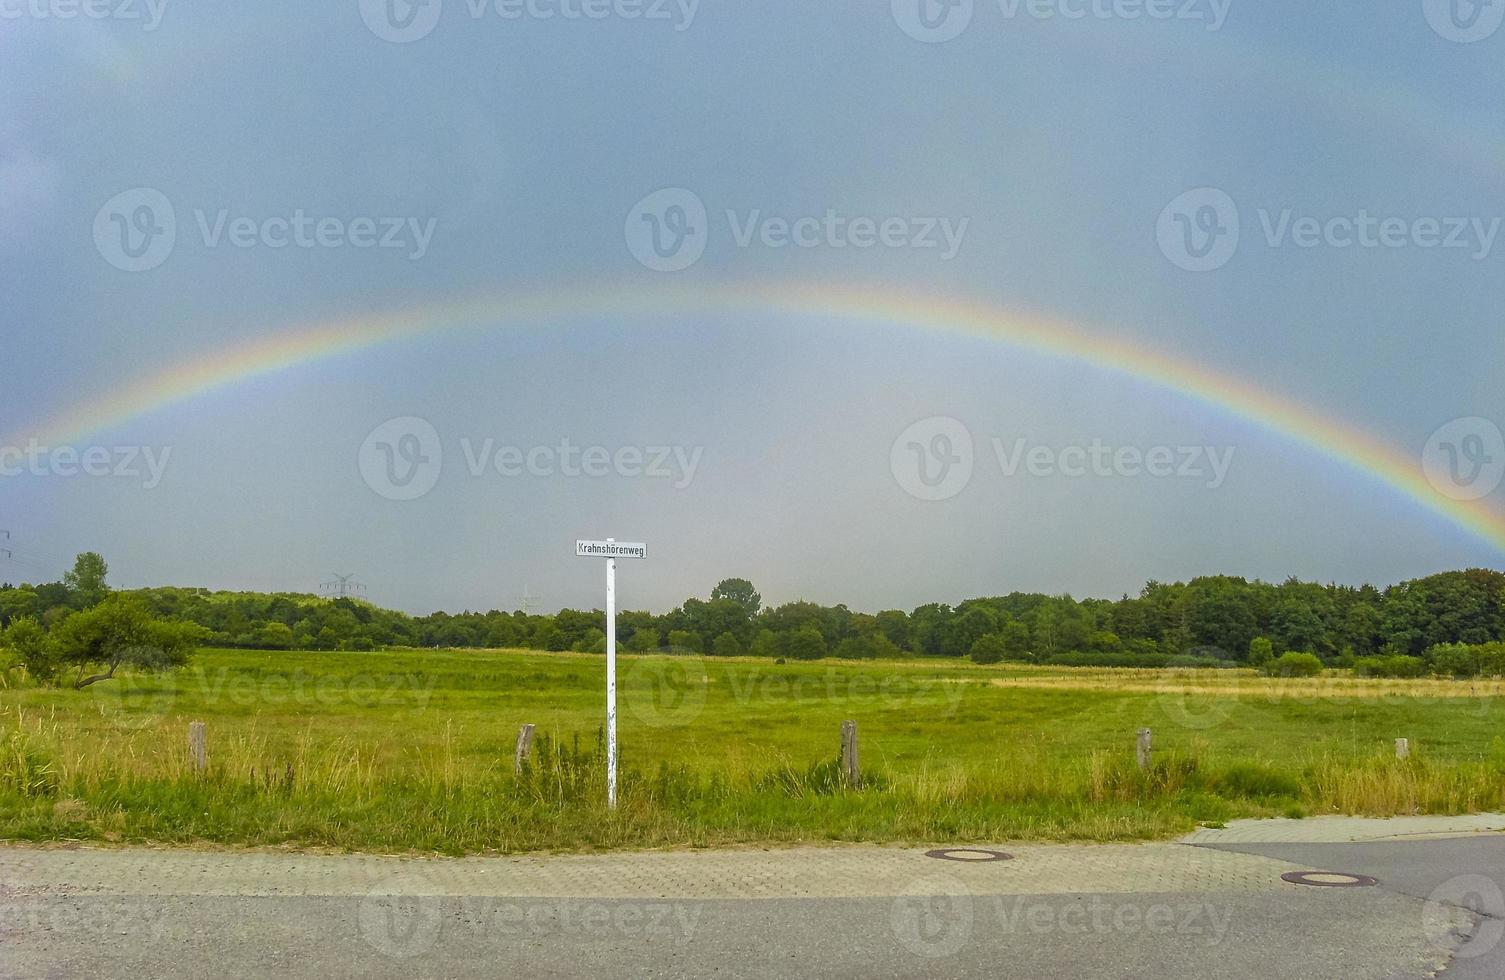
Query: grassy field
412, 751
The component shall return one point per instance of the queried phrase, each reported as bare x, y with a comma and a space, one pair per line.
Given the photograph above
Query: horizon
767, 604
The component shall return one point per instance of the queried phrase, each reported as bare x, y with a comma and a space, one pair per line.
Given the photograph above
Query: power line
342, 587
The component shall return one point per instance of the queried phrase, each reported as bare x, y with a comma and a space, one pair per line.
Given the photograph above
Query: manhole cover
966, 854
1328, 879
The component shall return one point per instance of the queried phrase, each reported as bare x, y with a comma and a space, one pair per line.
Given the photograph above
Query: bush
1135, 660
594, 641
806, 643
1294, 665
1261, 651
26, 642
643, 641
1463, 660
765, 644
727, 645
989, 649
1396, 665
683, 641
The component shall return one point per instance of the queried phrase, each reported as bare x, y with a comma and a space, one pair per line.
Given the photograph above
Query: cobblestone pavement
1217, 909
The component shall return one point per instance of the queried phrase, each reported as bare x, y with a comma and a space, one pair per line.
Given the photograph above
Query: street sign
610, 549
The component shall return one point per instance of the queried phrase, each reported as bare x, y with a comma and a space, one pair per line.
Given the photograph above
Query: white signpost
611, 550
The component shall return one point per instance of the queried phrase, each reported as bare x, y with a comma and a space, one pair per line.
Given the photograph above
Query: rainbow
299, 345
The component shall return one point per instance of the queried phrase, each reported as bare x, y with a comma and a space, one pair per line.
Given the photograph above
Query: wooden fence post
524, 748
1142, 747
198, 746
851, 769
1403, 748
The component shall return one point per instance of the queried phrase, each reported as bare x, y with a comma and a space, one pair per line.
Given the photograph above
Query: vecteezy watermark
668, 231
1465, 459
1200, 231
1464, 21
1095, 916
142, 699
144, 463
934, 21
407, 915
669, 692
1208, 464
402, 459
402, 21
136, 231
933, 917
1442, 913
933, 460
146, 12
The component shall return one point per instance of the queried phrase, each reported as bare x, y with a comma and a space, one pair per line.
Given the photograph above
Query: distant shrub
727, 645
684, 641
594, 641
989, 649
643, 640
806, 643
1135, 660
765, 644
1396, 665
1294, 665
1465, 660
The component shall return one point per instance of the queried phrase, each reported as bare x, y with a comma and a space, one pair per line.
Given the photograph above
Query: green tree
852, 648
972, 623
684, 641
806, 643
275, 636
1047, 629
989, 649
765, 644
643, 641
932, 632
118, 632
1261, 651
740, 591
1015, 640
1294, 665
727, 645
27, 642
593, 641
22, 603
1362, 628
893, 624
86, 581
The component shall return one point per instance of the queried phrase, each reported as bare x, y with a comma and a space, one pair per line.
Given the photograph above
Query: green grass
412, 751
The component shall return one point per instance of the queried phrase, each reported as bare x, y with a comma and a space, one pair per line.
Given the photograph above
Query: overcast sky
982, 152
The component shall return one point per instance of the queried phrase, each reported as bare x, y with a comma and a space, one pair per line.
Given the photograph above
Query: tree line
1213, 620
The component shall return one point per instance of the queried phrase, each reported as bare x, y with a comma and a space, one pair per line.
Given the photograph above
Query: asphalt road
1466, 871
1207, 910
